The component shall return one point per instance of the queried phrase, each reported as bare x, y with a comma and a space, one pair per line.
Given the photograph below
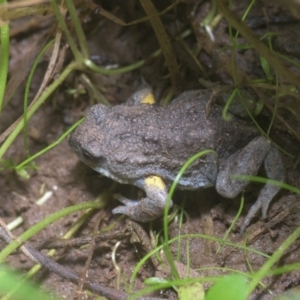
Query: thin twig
62, 271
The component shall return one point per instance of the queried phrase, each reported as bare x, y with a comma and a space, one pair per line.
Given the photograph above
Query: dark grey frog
146, 145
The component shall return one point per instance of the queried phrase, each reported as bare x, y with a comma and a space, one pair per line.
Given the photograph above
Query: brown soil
71, 182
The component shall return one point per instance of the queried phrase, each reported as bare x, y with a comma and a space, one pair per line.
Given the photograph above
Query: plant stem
4, 57
72, 66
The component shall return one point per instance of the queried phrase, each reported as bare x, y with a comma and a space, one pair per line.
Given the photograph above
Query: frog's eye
89, 157
86, 155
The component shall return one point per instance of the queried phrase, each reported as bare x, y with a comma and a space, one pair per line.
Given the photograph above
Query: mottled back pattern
129, 142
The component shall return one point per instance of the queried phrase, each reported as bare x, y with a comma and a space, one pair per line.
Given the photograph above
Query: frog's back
142, 140
201, 125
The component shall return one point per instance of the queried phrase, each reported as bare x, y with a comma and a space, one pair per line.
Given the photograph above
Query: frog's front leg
247, 162
148, 208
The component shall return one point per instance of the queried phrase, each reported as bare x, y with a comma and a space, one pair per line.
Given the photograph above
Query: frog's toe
131, 208
140, 211
263, 202
125, 201
251, 214
126, 210
149, 208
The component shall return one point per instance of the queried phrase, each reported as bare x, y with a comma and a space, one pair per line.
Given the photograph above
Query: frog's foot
264, 199
247, 162
148, 208
274, 170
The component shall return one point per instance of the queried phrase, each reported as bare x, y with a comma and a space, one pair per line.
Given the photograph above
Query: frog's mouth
105, 172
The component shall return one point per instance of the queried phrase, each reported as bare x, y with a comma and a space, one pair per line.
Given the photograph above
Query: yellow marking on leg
149, 99
156, 181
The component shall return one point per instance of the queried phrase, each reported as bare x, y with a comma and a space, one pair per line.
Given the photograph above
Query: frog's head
108, 141
86, 139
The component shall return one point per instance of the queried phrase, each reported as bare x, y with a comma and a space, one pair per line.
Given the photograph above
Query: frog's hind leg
274, 170
148, 208
247, 162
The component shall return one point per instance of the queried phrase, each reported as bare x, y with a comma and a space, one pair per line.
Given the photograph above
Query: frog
146, 144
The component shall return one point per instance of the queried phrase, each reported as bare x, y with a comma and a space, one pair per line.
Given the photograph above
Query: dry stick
209, 47
277, 219
101, 11
80, 241
165, 44
83, 277
22, 69
279, 118
56, 55
139, 235
62, 271
254, 41
58, 269
72, 276
26, 3
8, 237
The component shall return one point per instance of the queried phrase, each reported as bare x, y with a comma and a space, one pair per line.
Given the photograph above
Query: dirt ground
60, 172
